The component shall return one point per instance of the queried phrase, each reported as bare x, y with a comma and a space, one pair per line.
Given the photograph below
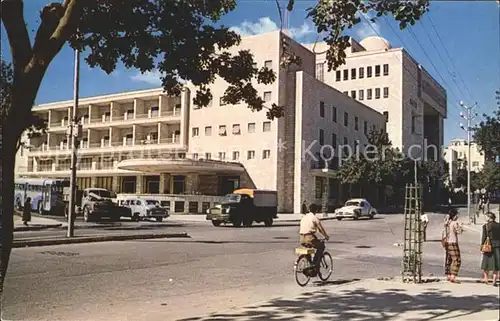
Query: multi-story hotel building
456, 155
390, 81
146, 142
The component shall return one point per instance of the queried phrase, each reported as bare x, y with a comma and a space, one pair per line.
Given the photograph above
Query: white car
355, 208
145, 208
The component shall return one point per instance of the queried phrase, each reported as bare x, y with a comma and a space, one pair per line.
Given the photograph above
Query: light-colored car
143, 208
355, 208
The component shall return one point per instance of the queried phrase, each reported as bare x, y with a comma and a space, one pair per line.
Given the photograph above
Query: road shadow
363, 305
261, 225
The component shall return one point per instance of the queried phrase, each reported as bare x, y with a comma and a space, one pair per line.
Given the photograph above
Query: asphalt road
216, 269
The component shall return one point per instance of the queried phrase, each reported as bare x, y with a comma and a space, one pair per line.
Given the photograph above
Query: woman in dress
452, 228
491, 260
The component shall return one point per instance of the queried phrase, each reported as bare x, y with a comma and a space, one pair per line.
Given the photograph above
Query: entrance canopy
181, 166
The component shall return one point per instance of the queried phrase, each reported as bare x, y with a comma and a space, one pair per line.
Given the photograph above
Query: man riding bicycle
309, 224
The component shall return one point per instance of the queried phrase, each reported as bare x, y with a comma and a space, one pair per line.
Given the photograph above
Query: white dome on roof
375, 43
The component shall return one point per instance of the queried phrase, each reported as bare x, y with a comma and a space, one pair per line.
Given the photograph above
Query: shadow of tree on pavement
363, 305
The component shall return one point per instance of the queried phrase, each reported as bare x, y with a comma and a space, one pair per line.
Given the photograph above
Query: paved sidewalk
373, 300
37, 223
281, 217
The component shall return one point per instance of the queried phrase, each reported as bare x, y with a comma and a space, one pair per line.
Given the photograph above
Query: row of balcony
107, 118
106, 143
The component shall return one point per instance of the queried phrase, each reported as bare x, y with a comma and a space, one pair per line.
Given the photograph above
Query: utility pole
74, 133
469, 117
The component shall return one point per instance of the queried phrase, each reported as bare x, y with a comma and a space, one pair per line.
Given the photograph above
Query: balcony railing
116, 118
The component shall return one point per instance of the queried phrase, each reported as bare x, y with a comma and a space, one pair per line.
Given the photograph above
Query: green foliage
487, 134
333, 17
489, 177
6, 79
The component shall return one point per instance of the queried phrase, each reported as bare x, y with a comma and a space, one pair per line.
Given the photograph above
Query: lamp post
74, 132
326, 191
469, 117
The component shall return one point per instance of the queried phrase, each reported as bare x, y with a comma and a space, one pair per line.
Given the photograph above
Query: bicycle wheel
301, 265
325, 267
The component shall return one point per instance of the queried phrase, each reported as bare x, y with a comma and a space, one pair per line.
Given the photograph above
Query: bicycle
304, 263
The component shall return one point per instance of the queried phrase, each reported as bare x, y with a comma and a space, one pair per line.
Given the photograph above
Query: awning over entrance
181, 166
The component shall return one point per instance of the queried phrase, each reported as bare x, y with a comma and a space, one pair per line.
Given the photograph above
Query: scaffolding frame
412, 246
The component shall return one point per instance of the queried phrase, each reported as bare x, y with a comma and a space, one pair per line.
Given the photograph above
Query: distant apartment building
456, 155
390, 81
146, 142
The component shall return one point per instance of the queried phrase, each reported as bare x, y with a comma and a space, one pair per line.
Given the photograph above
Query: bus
46, 194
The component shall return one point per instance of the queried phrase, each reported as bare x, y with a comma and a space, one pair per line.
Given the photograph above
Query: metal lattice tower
412, 247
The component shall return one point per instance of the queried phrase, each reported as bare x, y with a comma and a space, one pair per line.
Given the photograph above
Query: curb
36, 227
94, 239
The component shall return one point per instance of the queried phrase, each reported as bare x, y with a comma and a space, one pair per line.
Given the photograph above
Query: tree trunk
7, 161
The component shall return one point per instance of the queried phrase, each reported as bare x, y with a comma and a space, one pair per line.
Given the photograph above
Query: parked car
355, 208
143, 208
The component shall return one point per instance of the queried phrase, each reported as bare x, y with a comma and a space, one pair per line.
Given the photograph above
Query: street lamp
326, 191
468, 117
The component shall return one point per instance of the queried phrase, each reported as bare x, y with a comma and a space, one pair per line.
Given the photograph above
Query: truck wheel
159, 219
86, 214
247, 223
268, 222
216, 223
135, 218
237, 223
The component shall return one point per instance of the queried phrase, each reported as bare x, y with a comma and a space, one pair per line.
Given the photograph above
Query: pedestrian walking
452, 228
425, 222
490, 247
27, 211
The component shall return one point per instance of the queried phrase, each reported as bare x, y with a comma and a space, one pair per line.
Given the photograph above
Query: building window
346, 146
386, 114
321, 137
266, 154
236, 129
369, 71
268, 64
413, 124
377, 71
251, 127
353, 73
353, 94
208, 131
475, 164
267, 96
377, 93
346, 74
321, 109
222, 130
320, 71
208, 156
195, 156
222, 155
236, 155
222, 102
361, 72
386, 92
337, 75
251, 154
346, 119
334, 114
196, 131
334, 140
346, 93
356, 125
361, 94
266, 126
386, 69
365, 127
368, 94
